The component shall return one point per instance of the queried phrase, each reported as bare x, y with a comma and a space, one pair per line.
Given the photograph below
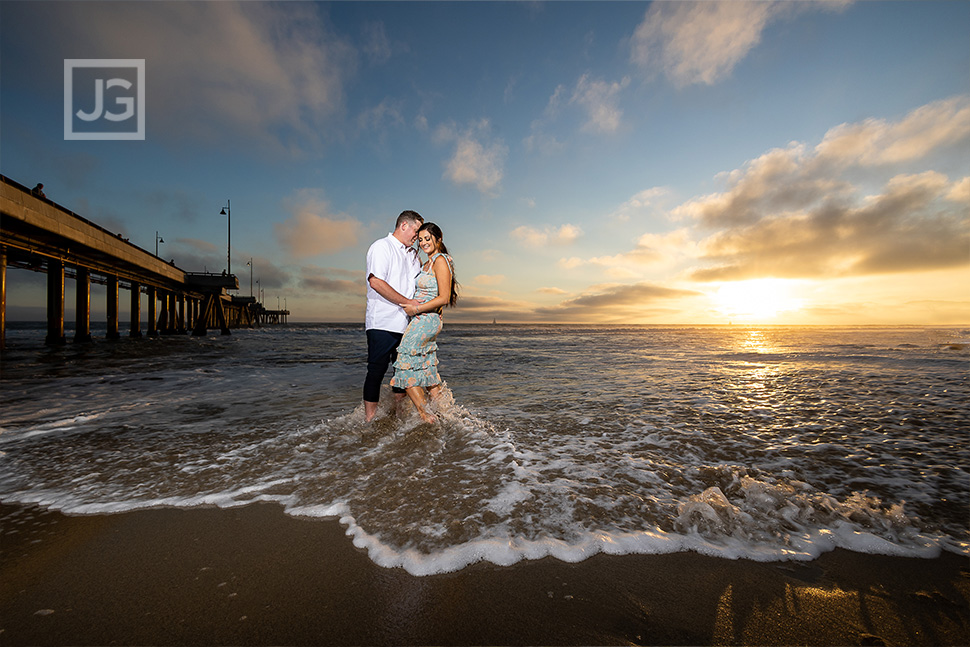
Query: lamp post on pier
225, 212
250, 264
158, 239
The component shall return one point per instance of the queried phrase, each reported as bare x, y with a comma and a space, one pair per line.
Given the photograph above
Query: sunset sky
620, 162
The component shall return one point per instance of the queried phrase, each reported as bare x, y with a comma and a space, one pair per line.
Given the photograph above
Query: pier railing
39, 235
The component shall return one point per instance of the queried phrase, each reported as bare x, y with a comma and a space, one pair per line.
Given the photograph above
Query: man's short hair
409, 216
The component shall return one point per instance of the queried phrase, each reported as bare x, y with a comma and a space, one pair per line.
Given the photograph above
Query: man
392, 265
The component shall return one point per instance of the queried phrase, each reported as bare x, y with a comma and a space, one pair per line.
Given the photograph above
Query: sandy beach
255, 576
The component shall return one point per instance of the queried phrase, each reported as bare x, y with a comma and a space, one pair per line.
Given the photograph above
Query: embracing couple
405, 298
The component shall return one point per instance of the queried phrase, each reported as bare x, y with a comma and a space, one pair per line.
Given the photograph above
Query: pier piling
135, 330
55, 303
152, 311
82, 305
111, 308
3, 297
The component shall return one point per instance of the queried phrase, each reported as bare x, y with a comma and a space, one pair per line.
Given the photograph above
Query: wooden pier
39, 235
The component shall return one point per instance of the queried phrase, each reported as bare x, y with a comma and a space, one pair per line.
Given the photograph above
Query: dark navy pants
381, 352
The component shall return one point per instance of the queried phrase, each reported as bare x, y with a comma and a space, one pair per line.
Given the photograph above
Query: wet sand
254, 576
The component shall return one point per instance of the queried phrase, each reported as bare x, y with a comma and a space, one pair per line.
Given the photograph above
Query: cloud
629, 301
177, 204
192, 254
322, 280
313, 230
860, 202
268, 273
376, 44
906, 227
489, 279
478, 159
796, 177
600, 100
571, 263
479, 308
386, 113
263, 74
960, 191
651, 250
379, 121
538, 139
702, 42
532, 237
644, 204
780, 180
877, 141
203, 246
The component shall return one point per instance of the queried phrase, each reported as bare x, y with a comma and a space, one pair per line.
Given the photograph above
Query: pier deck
40, 235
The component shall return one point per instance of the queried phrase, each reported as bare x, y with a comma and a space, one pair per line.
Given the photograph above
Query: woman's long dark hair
435, 232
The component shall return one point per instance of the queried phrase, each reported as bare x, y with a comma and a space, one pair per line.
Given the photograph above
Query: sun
756, 299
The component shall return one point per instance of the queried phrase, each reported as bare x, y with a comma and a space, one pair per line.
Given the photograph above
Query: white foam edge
506, 552
224, 500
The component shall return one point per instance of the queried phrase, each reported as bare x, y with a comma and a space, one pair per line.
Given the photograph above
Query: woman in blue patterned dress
416, 368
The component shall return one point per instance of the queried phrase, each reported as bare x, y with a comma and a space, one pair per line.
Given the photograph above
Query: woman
416, 367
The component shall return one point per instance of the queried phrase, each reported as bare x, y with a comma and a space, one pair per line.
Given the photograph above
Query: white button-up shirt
394, 262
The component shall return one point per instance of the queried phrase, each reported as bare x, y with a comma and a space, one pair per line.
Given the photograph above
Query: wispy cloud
651, 251
533, 237
331, 281
197, 255
878, 141
645, 204
600, 100
376, 44
312, 229
626, 302
702, 42
386, 113
539, 139
265, 270
273, 76
478, 158
960, 191
489, 279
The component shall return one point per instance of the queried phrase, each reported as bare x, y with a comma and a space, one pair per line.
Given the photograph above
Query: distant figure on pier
38, 190
392, 264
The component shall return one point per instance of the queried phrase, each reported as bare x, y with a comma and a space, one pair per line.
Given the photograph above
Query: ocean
764, 443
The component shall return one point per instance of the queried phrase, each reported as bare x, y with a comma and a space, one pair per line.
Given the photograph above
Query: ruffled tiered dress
417, 354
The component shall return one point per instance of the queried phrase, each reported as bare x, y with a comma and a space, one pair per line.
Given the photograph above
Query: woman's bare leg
416, 393
434, 391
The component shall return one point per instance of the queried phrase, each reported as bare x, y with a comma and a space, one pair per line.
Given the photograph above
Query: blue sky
625, 162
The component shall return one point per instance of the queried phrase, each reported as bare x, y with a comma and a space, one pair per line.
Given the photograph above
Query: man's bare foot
370, 410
